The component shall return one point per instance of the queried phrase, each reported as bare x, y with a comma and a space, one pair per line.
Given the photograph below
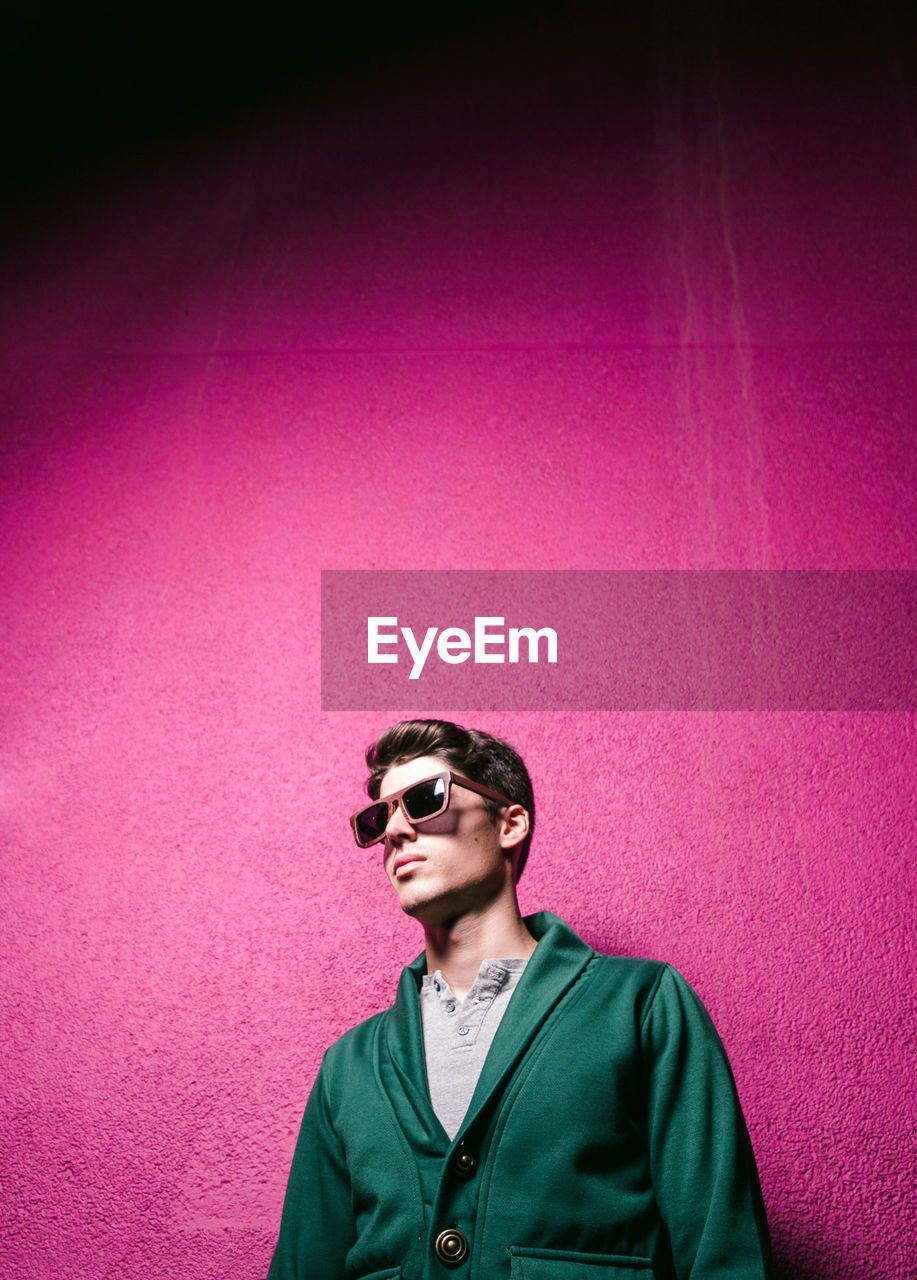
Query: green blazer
604, 1141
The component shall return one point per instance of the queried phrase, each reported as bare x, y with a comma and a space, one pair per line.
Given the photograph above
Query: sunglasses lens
426, 799
371, 823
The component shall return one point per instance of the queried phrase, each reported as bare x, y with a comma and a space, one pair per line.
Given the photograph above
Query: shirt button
463, 1031
465, 1163
451, 1247
450, 1006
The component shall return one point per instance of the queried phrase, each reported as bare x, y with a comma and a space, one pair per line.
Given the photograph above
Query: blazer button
465, 1163
451, 1247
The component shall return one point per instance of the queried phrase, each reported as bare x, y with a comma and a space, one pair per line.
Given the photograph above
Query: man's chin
423, 910
427, 908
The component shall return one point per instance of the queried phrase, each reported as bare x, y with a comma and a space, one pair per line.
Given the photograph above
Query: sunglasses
420, 801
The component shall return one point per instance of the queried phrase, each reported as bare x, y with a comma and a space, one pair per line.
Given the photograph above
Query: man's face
456, 862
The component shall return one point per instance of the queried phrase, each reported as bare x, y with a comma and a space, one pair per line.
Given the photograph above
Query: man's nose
398, 828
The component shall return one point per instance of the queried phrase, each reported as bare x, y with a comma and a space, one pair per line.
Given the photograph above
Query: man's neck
458, 946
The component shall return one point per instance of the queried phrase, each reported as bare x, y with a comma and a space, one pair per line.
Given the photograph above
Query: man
527, 1108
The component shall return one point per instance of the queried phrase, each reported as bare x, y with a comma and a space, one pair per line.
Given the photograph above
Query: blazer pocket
564, 1264
390, 1273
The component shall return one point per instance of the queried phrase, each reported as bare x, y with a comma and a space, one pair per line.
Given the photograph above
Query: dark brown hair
478, 755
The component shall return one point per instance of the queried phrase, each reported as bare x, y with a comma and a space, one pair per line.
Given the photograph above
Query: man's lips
406, 863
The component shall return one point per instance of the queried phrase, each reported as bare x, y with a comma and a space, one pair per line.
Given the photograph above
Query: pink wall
584, 308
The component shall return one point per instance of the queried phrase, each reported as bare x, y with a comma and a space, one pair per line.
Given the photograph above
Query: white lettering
375, 638
482, 638
532, 637
418, 654
454, 645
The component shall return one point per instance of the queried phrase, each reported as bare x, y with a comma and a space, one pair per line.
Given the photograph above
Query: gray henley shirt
457, 1035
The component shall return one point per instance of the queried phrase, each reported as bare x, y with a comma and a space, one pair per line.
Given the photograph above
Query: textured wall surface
541, 300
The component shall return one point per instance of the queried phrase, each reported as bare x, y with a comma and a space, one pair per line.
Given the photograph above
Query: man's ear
514, 826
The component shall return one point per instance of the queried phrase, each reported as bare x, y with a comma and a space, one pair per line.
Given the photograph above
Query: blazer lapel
556, 964
402, 1064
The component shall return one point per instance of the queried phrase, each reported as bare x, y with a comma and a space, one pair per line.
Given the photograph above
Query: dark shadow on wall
84, 87
817, 1263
